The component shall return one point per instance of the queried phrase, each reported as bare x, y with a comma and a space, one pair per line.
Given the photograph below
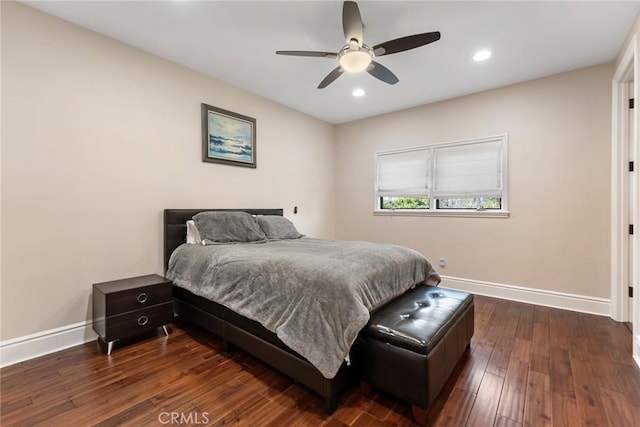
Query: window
460, 177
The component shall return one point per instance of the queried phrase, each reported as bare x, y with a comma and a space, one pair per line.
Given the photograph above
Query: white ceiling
235, 41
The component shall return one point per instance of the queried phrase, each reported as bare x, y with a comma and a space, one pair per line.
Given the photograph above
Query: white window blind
468, 170
468, 175
405, 174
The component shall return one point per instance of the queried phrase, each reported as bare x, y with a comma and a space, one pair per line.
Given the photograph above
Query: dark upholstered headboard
175, 228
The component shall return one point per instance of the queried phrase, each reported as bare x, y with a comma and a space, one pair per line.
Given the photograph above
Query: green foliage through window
404, 203
479, 203
475, 203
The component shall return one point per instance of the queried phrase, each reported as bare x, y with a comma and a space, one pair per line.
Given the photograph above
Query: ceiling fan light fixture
355, 61
482, 55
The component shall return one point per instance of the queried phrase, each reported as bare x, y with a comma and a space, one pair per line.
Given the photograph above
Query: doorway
633, 205
625, 255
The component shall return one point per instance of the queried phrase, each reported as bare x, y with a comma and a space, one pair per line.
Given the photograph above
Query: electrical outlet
442, 262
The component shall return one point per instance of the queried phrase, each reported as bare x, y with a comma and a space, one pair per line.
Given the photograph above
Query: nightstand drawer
138, 321
134, 299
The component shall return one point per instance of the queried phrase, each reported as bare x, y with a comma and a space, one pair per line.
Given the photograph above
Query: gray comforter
314, 294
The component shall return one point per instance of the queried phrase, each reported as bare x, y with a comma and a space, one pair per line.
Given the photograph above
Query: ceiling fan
355, 56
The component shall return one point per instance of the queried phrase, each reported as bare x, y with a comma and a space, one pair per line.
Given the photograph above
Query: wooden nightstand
128, 307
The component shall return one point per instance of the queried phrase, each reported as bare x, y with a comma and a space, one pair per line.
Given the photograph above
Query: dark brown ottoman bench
412, 344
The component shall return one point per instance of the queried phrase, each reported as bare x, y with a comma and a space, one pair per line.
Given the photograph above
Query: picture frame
228, 138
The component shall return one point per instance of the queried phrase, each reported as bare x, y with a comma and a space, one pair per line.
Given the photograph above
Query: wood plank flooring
528, 365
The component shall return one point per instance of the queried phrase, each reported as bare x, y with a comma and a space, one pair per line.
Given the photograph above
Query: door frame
626, 72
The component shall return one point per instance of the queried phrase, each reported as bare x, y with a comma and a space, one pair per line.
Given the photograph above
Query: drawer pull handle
142, 298
143, 320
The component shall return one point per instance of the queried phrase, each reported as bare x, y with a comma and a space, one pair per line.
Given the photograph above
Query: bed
274, 344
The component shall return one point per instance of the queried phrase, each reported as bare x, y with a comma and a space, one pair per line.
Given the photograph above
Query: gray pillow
277, 227
227, 227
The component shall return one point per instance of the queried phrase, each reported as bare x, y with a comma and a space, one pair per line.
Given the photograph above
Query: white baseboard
581, 303
41, 343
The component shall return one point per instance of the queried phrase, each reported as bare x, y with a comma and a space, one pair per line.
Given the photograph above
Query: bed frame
239, 331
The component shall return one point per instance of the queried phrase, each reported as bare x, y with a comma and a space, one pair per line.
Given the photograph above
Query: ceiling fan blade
381, 72
337, 72
405, 43
307, 53
352, 22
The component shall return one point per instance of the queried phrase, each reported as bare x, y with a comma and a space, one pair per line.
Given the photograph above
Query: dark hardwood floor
528, 365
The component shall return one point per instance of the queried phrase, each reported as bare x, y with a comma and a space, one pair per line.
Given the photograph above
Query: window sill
451, 213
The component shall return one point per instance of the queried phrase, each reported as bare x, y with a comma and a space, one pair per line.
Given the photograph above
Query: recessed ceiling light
358, 92
482, 55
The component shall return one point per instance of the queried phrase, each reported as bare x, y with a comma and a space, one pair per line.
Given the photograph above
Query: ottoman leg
419, 414
330, 404
227, 347
365, 388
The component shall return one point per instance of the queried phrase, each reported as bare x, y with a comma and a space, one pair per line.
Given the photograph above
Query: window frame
433, 210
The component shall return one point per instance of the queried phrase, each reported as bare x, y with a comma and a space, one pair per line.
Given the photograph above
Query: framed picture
228, 137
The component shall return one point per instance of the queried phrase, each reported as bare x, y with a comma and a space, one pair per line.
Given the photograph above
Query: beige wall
97, 139
557, 237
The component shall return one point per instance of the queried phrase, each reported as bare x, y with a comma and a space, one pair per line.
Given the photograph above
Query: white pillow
193, 235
